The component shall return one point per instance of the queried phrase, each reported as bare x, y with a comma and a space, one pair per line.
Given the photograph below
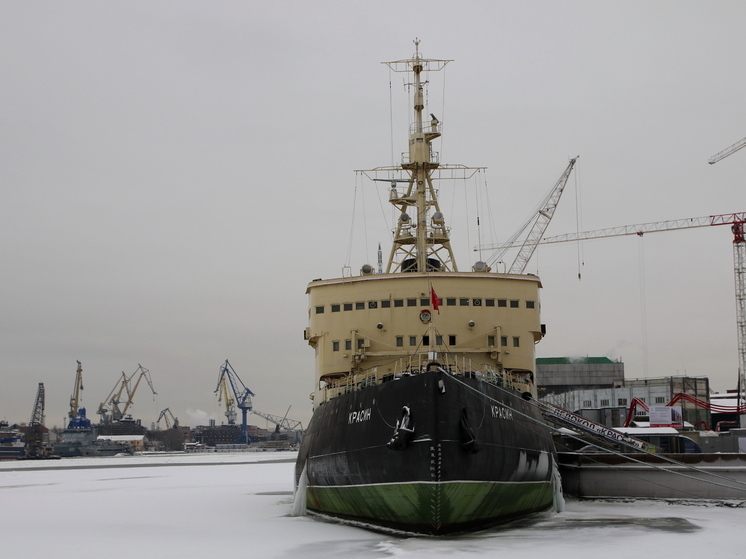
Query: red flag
435, 301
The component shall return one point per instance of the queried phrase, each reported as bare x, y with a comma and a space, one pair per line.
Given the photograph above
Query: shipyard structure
596, 388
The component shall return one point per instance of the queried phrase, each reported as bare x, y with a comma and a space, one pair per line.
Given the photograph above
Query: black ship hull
431, 453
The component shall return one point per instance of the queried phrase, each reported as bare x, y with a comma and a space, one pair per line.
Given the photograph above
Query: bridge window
347, 306
514, 304
386, 304
463, 302
359, 306
398, 302
320, 310
451, 301
502, 302
530, 304
489, 302
335, 308
411, 302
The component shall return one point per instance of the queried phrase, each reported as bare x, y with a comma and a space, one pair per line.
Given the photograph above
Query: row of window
622, 401
414, 341
425, 302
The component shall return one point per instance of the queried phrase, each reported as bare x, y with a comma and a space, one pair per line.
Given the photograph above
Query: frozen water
206, 505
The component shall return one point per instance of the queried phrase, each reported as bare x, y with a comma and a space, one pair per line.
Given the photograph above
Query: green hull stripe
437, 504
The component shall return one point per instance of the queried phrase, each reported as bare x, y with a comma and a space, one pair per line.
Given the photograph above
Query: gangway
557, 415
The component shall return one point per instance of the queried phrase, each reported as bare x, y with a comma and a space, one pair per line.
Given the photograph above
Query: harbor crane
289, 425
78, 419
34, 435
225, 396
169, 418
37, 414
75, 398
123, 389
281, 422
242, 395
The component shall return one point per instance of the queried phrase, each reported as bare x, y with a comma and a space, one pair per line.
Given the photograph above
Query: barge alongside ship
424, 414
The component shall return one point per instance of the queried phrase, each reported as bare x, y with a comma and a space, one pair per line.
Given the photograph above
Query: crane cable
578, 221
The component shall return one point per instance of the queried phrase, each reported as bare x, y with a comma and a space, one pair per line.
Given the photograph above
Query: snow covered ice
208, 505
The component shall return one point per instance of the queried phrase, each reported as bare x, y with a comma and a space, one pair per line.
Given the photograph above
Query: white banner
666, 416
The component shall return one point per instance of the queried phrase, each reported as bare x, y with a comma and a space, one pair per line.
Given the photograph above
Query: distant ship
12, 443
424, 415
80, 439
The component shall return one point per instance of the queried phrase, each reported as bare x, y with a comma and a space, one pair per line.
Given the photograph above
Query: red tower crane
735, 220
739, 255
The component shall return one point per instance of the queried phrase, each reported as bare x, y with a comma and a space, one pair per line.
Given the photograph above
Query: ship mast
423, 244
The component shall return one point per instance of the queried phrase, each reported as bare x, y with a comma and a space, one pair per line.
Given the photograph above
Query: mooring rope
626, 456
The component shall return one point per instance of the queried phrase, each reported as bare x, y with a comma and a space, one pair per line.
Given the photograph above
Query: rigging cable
466, 211
386, 219
391, 117
443, 110
348, 256
365, 225
578, 221
643, 306
479, 228
490, 216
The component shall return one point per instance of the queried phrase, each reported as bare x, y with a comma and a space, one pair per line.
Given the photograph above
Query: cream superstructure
376, 327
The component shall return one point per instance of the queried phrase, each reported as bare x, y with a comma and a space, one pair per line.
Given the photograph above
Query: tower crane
540, 220
727, 151
739, 256
242, 394
735, 220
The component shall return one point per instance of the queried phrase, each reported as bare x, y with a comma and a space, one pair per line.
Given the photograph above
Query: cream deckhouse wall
326, 327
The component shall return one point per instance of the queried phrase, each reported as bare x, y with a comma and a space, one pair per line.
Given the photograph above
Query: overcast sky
173, 174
